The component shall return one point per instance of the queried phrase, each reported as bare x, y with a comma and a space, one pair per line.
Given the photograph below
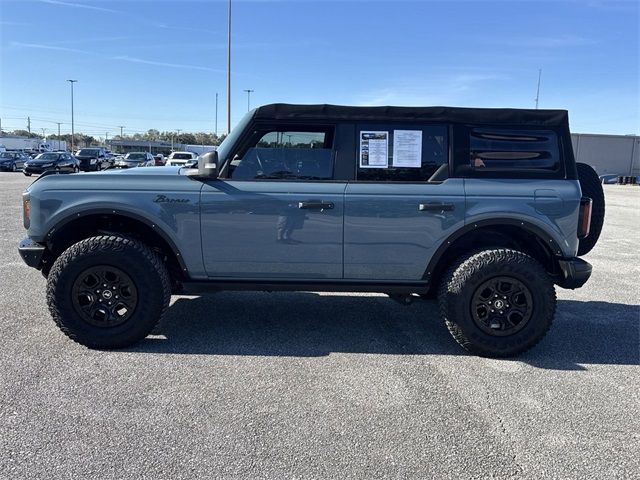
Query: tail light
584, 219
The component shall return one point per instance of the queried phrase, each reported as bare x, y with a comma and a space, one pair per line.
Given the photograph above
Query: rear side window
286, 154
402, 153
498, 149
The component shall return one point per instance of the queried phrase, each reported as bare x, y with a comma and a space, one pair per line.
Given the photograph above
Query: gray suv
484, 209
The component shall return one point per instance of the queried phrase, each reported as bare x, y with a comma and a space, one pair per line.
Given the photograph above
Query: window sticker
407, 148
374, 149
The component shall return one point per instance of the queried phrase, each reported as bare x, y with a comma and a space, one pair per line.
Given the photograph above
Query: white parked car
181, 159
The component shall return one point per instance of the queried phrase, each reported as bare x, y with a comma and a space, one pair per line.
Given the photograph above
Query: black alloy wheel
502, 306
104, 296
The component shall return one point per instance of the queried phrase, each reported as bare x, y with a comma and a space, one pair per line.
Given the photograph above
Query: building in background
126, 146
608, 154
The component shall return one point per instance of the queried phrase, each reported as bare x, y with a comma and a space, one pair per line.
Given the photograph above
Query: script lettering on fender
165, 199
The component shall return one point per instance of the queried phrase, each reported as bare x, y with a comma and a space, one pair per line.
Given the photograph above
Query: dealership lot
252, 385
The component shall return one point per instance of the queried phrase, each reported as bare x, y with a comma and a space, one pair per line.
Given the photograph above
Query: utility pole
59, 123
29, 124
121, 127
249, 98
106, 138
538, 90
72, 124
229, 71
44, 134
216, 132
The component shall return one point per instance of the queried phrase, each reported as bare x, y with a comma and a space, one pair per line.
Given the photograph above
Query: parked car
52, 161
136, 159
93, 159
180, 159
484, 208
159, 159
12, 161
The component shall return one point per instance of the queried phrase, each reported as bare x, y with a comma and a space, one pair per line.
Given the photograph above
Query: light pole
59, 123
44, 133
249, 98
229, 70
216, 132
72, 129
538, 90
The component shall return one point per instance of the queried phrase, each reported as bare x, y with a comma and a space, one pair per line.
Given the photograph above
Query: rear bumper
31, 252
574, 273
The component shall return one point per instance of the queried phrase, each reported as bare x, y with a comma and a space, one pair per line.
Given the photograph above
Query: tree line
197, 138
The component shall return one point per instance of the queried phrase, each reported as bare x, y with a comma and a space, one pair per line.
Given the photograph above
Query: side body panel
257, 230
552, 205
60, 198
386, 234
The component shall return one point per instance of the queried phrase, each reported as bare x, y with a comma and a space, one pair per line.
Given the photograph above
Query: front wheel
14, 168
497, 303
108, 291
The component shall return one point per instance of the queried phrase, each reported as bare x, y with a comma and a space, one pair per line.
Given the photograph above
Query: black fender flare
122, 213
529, 227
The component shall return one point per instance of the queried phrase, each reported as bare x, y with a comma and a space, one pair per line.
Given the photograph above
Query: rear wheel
592, 188
108, 291
497, 303
14, 168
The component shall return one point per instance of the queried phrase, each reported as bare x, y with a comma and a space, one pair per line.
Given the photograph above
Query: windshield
47, 156
225, 147
181, 156
6, 155
87, 151
135, 156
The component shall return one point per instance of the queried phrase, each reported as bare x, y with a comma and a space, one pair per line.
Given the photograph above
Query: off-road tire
460, 283
592, 188
139, 262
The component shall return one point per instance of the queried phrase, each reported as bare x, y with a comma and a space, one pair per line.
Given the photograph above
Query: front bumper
31, 252
574, 273
37, 170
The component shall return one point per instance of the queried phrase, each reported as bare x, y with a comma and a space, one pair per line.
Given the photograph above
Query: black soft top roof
486, 116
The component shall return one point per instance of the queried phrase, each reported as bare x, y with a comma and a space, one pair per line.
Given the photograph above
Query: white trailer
19, 143
12, 142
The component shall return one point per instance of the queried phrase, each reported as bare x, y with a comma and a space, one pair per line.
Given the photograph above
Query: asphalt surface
308, 385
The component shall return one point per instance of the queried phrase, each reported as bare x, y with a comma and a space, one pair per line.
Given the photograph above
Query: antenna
538, 90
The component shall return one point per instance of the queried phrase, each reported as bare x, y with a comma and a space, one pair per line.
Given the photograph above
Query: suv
181, 159
135, 159
93, 159
483, 208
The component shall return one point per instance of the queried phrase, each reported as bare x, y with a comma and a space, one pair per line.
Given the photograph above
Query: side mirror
207, 166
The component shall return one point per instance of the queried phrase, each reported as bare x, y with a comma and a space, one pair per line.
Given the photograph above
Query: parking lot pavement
308, 385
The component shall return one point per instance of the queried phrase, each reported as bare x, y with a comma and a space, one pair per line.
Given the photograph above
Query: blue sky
158, 64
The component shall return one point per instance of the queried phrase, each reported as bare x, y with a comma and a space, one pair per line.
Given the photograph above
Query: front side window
286, 154
504, 149
402, 153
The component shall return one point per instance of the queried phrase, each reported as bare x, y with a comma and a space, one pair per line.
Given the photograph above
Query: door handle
315, 205
436, 207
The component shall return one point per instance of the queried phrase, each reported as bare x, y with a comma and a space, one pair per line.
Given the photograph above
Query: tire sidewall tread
133, 257
465, 275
